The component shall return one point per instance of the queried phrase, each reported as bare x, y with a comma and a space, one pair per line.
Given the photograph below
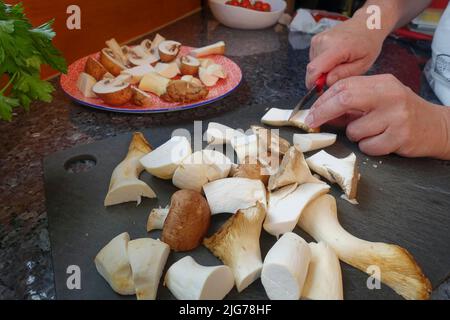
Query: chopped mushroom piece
217, 134
293, 169
344, 172
113, 265
165, 159
287, 204
188, 280
398, 268
125, 185
231, 194
313, 141
237, 245
200, 168
285, 267
324, 279
187, 222
156, 219
147, 259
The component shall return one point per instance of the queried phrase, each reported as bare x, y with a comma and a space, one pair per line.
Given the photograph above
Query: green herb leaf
6, 106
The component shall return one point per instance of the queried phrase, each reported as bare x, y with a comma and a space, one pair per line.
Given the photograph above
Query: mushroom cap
187, 222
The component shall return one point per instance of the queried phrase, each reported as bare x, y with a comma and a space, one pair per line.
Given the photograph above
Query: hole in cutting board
81, 163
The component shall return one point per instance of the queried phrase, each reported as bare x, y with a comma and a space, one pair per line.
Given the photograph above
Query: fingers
353, 94
344, 120
323, 63
369, 125
380, 145
346, 70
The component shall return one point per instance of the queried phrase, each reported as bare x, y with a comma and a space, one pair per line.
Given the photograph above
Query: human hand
393, 118
349, 49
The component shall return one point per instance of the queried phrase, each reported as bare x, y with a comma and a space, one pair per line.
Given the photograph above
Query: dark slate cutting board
402, 201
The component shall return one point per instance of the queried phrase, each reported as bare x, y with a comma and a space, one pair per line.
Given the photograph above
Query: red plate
223, 88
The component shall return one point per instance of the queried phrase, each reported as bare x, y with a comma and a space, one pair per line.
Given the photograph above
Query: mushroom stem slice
344, 172
398, 268
270, 141
246, 148
125, 185
324, 279
313, 141
216, 48
218, 134
237, 245
113, 265
231, 194
165, 159
154, 83
285, 268
286, 206
147, 259
280, 117
293, 169
188, 280
156, 219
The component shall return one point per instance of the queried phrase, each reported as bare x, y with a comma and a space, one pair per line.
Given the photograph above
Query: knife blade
317, 89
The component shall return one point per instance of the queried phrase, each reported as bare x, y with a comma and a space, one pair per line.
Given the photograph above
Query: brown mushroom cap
187, 222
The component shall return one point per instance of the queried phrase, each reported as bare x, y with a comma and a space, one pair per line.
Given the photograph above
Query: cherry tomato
258, 6
233, 3
266, 7
246, 4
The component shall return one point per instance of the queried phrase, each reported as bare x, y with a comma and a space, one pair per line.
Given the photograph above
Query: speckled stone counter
273, 63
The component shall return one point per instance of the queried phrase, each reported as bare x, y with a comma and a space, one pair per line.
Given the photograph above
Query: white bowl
241, 18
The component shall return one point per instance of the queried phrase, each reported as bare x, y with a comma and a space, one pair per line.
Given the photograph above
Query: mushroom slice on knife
344, 172
287, 204
280, 117
324, 279
200, 168
113, 265
237, 244
293, 169
188, 280
147, 260
313, 141
125, 185
285, 268
231, 194
165, 159
398, 269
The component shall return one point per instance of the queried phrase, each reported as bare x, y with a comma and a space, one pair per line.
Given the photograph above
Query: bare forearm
394, 13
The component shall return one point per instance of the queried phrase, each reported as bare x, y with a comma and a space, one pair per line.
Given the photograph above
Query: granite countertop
273, 64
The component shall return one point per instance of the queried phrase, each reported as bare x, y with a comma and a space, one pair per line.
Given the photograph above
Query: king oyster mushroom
189, 65
85, 83
168, 50
113, 91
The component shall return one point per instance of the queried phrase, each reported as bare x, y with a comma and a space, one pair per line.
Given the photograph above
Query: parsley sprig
23, 49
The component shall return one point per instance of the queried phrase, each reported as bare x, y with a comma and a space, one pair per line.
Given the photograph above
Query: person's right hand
349, 49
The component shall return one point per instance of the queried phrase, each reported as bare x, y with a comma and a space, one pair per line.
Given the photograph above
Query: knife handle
321, 82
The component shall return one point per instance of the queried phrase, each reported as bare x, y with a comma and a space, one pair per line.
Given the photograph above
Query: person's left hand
391, 118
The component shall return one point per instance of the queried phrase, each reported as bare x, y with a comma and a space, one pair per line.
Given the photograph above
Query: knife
317, 89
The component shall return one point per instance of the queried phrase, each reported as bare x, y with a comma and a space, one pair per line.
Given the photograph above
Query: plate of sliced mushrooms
157, 75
